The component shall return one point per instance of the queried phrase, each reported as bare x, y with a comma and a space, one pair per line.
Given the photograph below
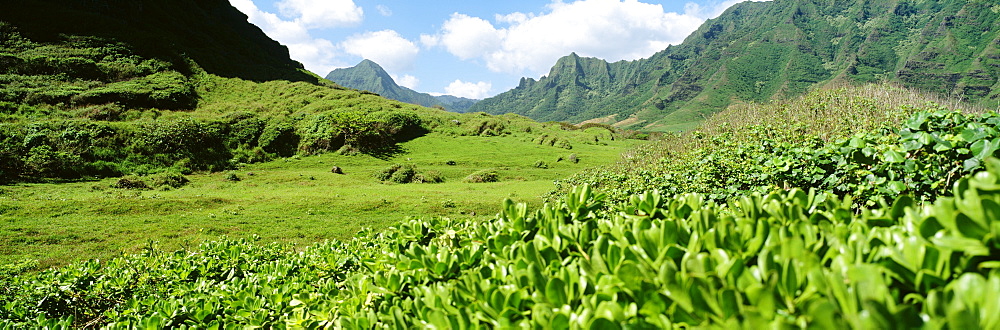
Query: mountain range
369, 76
757, 51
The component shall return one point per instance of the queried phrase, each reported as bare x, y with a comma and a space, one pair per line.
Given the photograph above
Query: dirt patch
602, 120
628, 121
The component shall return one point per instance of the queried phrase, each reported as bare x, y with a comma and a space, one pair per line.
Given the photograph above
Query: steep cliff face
371, 77
756, 51
146, 54
212, 34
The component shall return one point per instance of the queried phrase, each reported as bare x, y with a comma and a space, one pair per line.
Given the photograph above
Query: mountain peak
366, 63
370, 76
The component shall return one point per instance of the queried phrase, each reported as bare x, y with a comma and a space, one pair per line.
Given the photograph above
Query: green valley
295, 199
795, 164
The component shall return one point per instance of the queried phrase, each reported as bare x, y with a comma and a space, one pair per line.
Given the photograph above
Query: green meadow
295, 199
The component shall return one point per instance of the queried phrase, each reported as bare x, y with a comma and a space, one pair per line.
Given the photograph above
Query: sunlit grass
293, 199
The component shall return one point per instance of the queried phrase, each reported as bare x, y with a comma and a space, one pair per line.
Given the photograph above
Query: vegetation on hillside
790, 258
77, 106
861, 207
873, 142
757, 51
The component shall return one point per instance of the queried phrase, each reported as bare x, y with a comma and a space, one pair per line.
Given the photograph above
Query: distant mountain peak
371, 65
370, 76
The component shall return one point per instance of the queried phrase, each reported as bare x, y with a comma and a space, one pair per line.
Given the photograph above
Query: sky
472, 48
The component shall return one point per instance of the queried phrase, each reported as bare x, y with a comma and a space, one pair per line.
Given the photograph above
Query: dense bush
428, 177
130, 182
400, 173
856, 141
482, 176
168, 179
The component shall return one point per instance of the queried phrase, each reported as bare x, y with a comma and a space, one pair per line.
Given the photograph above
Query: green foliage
573, 158
428, 177
845, 145
168, 179
130, 182
482, 176
784, 259
400, 173
232, 177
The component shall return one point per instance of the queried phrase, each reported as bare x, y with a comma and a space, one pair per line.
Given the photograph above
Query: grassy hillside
99, 104
785, 258
295, 199
873, 142
146, 187
757, 51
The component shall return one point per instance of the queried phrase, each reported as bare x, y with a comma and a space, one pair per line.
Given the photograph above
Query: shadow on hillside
211, 33
386, 152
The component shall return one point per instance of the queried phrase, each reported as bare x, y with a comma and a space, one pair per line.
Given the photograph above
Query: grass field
289, 200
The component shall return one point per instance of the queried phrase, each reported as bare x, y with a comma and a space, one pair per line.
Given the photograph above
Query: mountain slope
369, 76
756, 51
210, 33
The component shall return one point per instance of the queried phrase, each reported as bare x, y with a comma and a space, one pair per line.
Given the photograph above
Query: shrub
168, 179
428, 177
491, 127
387, 172
562, 144
130, 182
405, 174
279, 138
232, 177
573, 158
399, 173
348, 150
488, 175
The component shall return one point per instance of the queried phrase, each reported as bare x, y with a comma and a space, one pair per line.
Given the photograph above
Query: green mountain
109, 88
369, 76
757, 51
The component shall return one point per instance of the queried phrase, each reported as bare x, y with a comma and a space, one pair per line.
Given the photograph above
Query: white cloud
384, 10
406, 80
478, 90
386, 47
531, 43
467, 37
322, 13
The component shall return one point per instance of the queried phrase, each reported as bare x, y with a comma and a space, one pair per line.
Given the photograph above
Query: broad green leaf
555, 291
984, 148
893, 156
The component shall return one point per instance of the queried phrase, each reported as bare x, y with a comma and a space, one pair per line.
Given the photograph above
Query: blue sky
472, 48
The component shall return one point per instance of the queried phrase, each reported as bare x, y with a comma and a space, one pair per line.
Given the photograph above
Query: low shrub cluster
919, 151
482, 176
400, 173
554, 141
165, 180
778, 260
